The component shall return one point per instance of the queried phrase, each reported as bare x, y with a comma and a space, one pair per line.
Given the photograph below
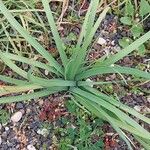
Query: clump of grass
71, 75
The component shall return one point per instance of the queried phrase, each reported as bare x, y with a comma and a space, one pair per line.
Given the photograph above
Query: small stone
0, 140
101, 41
113, 42
142, 109
31, 147
6, 128
90, 82
46, 72
43, 132
16, 117
148, 99
19, 106
41, 102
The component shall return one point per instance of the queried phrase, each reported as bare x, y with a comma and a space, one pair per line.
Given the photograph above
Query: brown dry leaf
64, 9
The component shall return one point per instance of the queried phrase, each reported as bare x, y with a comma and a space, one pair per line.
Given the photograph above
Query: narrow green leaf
127, 50
10, 64
120, 114
30, 62
50, 82
141, 50
118, 104
59, 43
16, 89
29, 38
85, 24
113, 69
82, 51
12, 80
35, 95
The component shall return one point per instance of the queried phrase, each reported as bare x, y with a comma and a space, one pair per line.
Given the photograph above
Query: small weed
83, 133
133, 18
4, 116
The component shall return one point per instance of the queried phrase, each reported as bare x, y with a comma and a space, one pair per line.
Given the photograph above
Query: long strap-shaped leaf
81, 53
88, 21
95, 109
34, 95
112, 69
117, 104
4, 90
127, 50
50, 82
30, 62
103, 114
58, 41
12, 80
111, 108
146, 145
10, 39
14, 67
29, 38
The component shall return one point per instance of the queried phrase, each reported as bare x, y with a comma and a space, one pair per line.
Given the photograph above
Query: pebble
16, 117
6, 128
113, 42
142, 109
31, 147
101, 41
90, 81
43, 132
19, 106
0, 140
46, 72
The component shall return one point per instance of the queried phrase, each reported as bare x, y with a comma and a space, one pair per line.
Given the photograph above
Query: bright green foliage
126, 20
135, 22
72, 74
144, 7
78, 134
137, 30
4, 116
124, 42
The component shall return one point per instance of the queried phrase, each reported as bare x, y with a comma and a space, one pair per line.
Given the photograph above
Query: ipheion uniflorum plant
73, 73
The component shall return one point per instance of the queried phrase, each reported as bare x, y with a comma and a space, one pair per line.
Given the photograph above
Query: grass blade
14, 67
127, 50
113, 69
88, 21
117, 104
4, 90
101, 114
58, 41
120, 114
35, 95
12, 80
30, 62
29, 38
82, 51
50, 82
